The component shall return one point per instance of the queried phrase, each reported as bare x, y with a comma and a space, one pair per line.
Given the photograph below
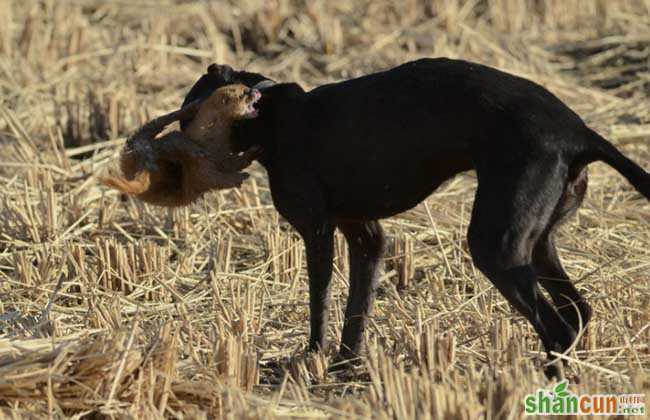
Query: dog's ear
224, 71
215, 77
264, 84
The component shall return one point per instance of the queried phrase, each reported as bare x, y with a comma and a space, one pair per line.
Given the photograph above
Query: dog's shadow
314, 370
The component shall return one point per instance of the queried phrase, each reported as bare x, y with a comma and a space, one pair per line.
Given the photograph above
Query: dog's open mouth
254, 96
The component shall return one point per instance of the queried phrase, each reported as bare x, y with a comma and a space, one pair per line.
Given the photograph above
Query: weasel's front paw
146, 163
254, 152
243, 176
199, 154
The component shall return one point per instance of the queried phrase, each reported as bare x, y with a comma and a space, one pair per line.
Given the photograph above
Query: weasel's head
236, 102
222, 108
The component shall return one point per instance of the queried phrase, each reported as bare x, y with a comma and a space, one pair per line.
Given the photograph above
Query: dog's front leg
319, 245
299, 200
365, 246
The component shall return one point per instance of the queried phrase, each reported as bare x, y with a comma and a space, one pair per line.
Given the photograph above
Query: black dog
347, 154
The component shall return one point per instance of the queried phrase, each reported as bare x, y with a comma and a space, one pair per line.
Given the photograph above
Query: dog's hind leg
551, 274
511, 211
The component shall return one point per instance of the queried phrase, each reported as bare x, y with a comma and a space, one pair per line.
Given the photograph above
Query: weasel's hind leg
202, 176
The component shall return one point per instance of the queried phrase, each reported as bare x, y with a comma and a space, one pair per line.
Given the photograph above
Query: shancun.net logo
560, 401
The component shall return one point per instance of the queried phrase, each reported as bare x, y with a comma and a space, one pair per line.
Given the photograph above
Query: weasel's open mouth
251, 110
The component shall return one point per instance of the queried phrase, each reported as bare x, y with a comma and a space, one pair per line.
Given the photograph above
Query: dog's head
218, 76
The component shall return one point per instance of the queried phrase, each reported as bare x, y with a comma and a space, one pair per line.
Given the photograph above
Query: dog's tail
599, 149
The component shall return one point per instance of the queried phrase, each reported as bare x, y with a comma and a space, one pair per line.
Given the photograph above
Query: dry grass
117, 308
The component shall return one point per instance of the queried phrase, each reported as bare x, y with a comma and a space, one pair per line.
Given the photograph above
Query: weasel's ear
224, 71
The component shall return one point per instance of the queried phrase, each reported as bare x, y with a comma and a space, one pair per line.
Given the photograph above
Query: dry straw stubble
114, 307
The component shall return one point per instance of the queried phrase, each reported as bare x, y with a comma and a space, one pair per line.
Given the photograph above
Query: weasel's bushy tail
140, 184
598, 148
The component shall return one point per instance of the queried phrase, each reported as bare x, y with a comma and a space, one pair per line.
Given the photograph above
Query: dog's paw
347, 369
554, 371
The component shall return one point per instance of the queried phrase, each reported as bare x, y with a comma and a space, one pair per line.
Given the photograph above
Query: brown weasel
179, 167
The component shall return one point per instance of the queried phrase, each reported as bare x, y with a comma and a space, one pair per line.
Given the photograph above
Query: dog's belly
379, 167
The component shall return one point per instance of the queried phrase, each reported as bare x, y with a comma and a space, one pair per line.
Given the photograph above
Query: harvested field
112, 308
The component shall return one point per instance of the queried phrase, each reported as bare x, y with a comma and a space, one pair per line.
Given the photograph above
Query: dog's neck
278, 107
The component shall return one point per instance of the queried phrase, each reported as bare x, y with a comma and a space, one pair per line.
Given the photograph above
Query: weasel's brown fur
179, 167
